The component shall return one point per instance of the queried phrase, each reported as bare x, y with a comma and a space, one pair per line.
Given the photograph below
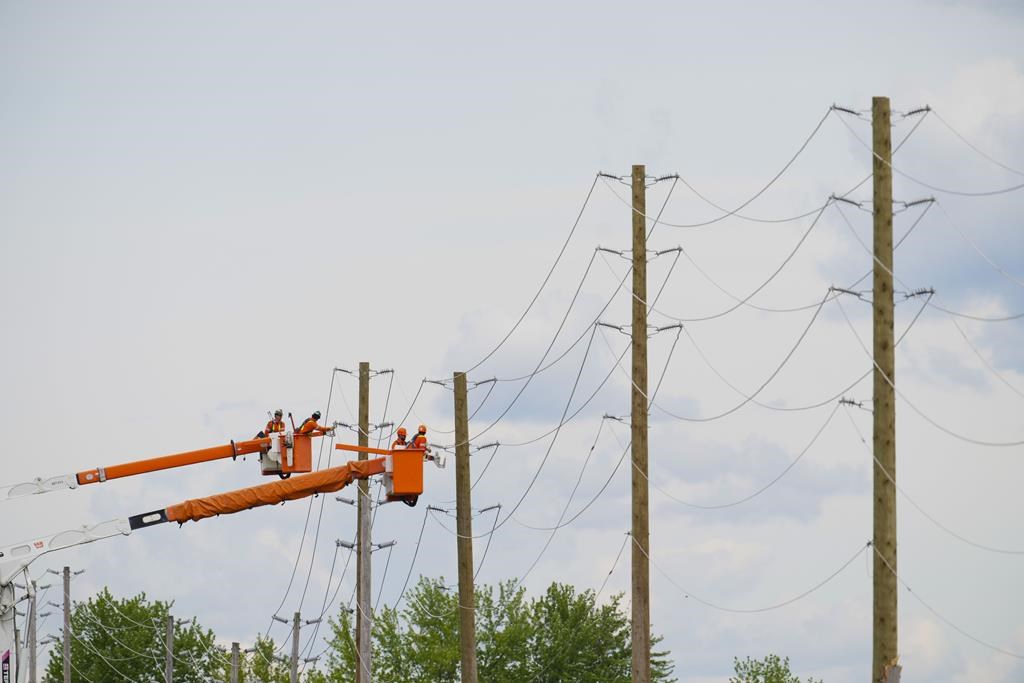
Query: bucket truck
281, 454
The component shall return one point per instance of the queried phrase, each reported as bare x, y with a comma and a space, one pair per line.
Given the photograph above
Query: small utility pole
67, 624
33, 618
885, 645
464, 528
364, 623
235, 656
169, 647
641, 588
294, 673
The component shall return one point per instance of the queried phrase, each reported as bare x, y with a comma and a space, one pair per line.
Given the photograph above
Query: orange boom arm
128, 469
403, 477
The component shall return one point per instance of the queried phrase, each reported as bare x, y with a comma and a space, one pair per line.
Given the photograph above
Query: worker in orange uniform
312, 427
275, 425
420, 440
400, 442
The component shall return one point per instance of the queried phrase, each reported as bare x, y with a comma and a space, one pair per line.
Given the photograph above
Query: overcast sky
206, 207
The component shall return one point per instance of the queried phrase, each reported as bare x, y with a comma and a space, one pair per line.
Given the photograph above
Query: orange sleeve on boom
324, 481
168, 461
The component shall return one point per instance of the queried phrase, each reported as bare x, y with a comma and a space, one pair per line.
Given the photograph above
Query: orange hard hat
401, 431
423, 429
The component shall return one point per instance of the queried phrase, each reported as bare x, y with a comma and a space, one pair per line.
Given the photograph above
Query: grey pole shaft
364, 653
235, 656
294, 673
169, 647
32, 636
641, 575
464, 527
885, 648
67, 624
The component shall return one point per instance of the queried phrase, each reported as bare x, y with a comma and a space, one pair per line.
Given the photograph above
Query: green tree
123, 639
771, 669
562, 636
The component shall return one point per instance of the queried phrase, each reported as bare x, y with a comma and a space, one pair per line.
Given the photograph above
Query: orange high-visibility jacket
274, 426
310, 426
399, 443
419, 441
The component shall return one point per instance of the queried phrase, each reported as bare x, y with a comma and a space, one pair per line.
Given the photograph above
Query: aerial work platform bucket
289, 453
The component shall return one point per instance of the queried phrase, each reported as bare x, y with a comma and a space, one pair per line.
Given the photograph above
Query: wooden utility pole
235, 656
364, 623
33, 617
67, 624
169, 646
294, 669
641, 588
885, 645
464, 528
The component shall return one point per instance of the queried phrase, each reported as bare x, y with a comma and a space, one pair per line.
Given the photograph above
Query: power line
618, 556
544, 283
415, 554
772, 376
929, 302
912, 406
775, 220
565, 508
756, 610
982, 358
931, 518
974, 147
618, 464
744, 301
735, 212
978, 318
853, 331
758, 492
943, 619
581, 337
995, 266
934, 188
309, 511
490, 537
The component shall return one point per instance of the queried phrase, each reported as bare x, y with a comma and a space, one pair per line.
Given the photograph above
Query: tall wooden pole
364, 668
235, 656
67, 624
33, 617
294, 668
885, 645
464, 527
169, 647
641, 589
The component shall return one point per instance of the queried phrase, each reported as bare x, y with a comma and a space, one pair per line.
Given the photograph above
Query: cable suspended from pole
943, 619
974, 147
931, 518
933, 188
544, 283
561, 325
912, 406
756, 610
727, 213
786, 470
